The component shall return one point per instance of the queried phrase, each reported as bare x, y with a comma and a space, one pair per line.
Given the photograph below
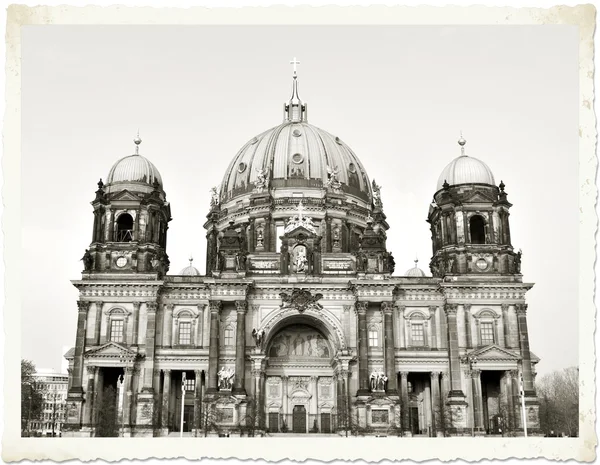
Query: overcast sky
399, 96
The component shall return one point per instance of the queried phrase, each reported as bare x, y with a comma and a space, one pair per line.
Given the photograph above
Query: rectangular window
185, 333
487, 333
373, 338
418, 338
190, 384
228, 337
116, 330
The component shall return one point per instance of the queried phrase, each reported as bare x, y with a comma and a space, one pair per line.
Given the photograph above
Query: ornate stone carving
299, 341
214, 197
301, 300
450, 309
378, 381
386, 307
83, 306
215, 306
332, 178
521, 309
361, 307
151, 307
226, 377
262, 179
240, 306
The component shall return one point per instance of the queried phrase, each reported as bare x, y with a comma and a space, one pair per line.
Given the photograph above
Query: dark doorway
414, 420
273, 422
326, 423
125, 228
188, 417
107, 403
299, 419
477, 229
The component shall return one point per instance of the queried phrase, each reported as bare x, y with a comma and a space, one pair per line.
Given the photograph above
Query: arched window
477, 229
124, 228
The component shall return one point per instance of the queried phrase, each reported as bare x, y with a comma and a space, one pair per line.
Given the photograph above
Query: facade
300, 324
55, 388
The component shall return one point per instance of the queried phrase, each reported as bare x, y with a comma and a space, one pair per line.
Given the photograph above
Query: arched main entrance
300, 390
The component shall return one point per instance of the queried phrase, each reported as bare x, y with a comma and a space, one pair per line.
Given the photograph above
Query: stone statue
518, 262
240, 262
259, 238
226, 377
391, 262
301, 260
377, 195
332, 178
258, 336
262, 179
214, 197
378, 381
88, 260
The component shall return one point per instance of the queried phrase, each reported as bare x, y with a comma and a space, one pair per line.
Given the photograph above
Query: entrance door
414, 420
274, 422
188, 418
299, 419
326, 423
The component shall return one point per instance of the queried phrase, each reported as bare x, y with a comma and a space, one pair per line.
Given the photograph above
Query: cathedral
301, 323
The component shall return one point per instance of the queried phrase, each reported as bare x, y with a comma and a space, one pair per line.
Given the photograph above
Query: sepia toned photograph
288, 233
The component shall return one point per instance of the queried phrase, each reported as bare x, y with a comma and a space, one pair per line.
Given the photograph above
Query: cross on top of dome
295, 62
137, 141
462, 142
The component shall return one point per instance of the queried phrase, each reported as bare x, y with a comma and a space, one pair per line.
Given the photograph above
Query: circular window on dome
338, 140
253, 141
297, 158
352, 168
296, 133
482, 264
242, 167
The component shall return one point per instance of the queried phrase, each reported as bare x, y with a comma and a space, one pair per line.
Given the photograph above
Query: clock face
121, 262
482, 264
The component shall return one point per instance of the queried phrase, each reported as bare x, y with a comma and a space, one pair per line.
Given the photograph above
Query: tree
107, 425
32, 397
558, 393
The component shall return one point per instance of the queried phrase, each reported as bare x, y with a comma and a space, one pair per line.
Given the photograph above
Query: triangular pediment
300, 230
478, 197
494, 352
126, 195
110, 350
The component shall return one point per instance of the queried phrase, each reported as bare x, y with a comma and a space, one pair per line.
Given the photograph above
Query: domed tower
131, 216
469, 221
296, 199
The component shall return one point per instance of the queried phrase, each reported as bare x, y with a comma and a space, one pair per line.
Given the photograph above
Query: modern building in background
300, 323
54, 387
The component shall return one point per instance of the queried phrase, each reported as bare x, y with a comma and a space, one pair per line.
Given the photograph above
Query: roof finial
462, 143
191, 259
137, 141
295, 62
416, 262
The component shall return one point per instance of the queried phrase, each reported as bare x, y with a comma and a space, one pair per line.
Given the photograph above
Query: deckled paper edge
371, 449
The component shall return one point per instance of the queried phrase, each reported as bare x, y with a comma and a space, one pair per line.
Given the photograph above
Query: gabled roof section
478, 196
494, 352
110, 350
126, 195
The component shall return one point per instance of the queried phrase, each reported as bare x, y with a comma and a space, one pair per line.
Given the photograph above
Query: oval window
297, 158
338, 140
242, 167
352, 167
296, 133
253, 141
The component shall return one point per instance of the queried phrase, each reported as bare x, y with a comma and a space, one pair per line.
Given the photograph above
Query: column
435, 401
433, 327
404, 394
314, 402
168, 325
401, 319
443, 331
499, 332
256, 374
136, 319
99, 304
477, 399
83, 307
510, 399
165, 400
505, 326
127, 395
528, 386
389, 347
89, 396
150, 331
200, 326
468, 334
213, 350
240, 348
363, 369
94, 418
453, 354
284, 401
197, 399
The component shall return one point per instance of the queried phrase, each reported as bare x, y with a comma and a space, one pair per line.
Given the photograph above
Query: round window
296, 133
242, 167
121, 261
352, 167
482, 264
338, 140
297, 158
254, 141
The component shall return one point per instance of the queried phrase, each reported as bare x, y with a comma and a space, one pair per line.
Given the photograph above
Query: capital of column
313, 379
404, 374
151, 307
504, 307
99, 303
241, 306
450, 309
475, 373
215, 306
136, 306
256, 372
435, 375
432, 310
401, 308
83, 306
197, 375
69, 371
361, 307
521, 309
467, 307
513, 374
167, 371
386, 308
169, 307
91, 370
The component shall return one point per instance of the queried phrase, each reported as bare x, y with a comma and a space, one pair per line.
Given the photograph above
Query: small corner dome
415, 271
189, 271
465, 170
134, 168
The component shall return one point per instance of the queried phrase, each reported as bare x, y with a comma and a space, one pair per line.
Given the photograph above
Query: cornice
118, 289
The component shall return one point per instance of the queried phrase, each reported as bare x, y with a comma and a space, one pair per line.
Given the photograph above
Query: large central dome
295, 154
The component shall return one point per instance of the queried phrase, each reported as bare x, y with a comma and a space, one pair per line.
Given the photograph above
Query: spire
294, 109
462, 142
416, 263
137, 141
191, 259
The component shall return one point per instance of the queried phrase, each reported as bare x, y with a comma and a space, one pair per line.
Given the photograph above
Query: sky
397, 95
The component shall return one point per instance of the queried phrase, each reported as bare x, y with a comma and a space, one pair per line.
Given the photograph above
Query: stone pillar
284, 401
76, 387
402, 323
432, 319
468, 334
436, 405
314, 401
505, 326
240, 349
127, 383
99, 304
94, 418
200, 326
389, 347
404, 394
477, 399
197, 399
136, 320
453, 354
168, 325
257, 393
89, 396
165, 399
213, 351
510, 399
528, 385
363, 369
149, 359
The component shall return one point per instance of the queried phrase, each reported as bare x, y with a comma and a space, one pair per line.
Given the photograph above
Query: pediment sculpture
301, 300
